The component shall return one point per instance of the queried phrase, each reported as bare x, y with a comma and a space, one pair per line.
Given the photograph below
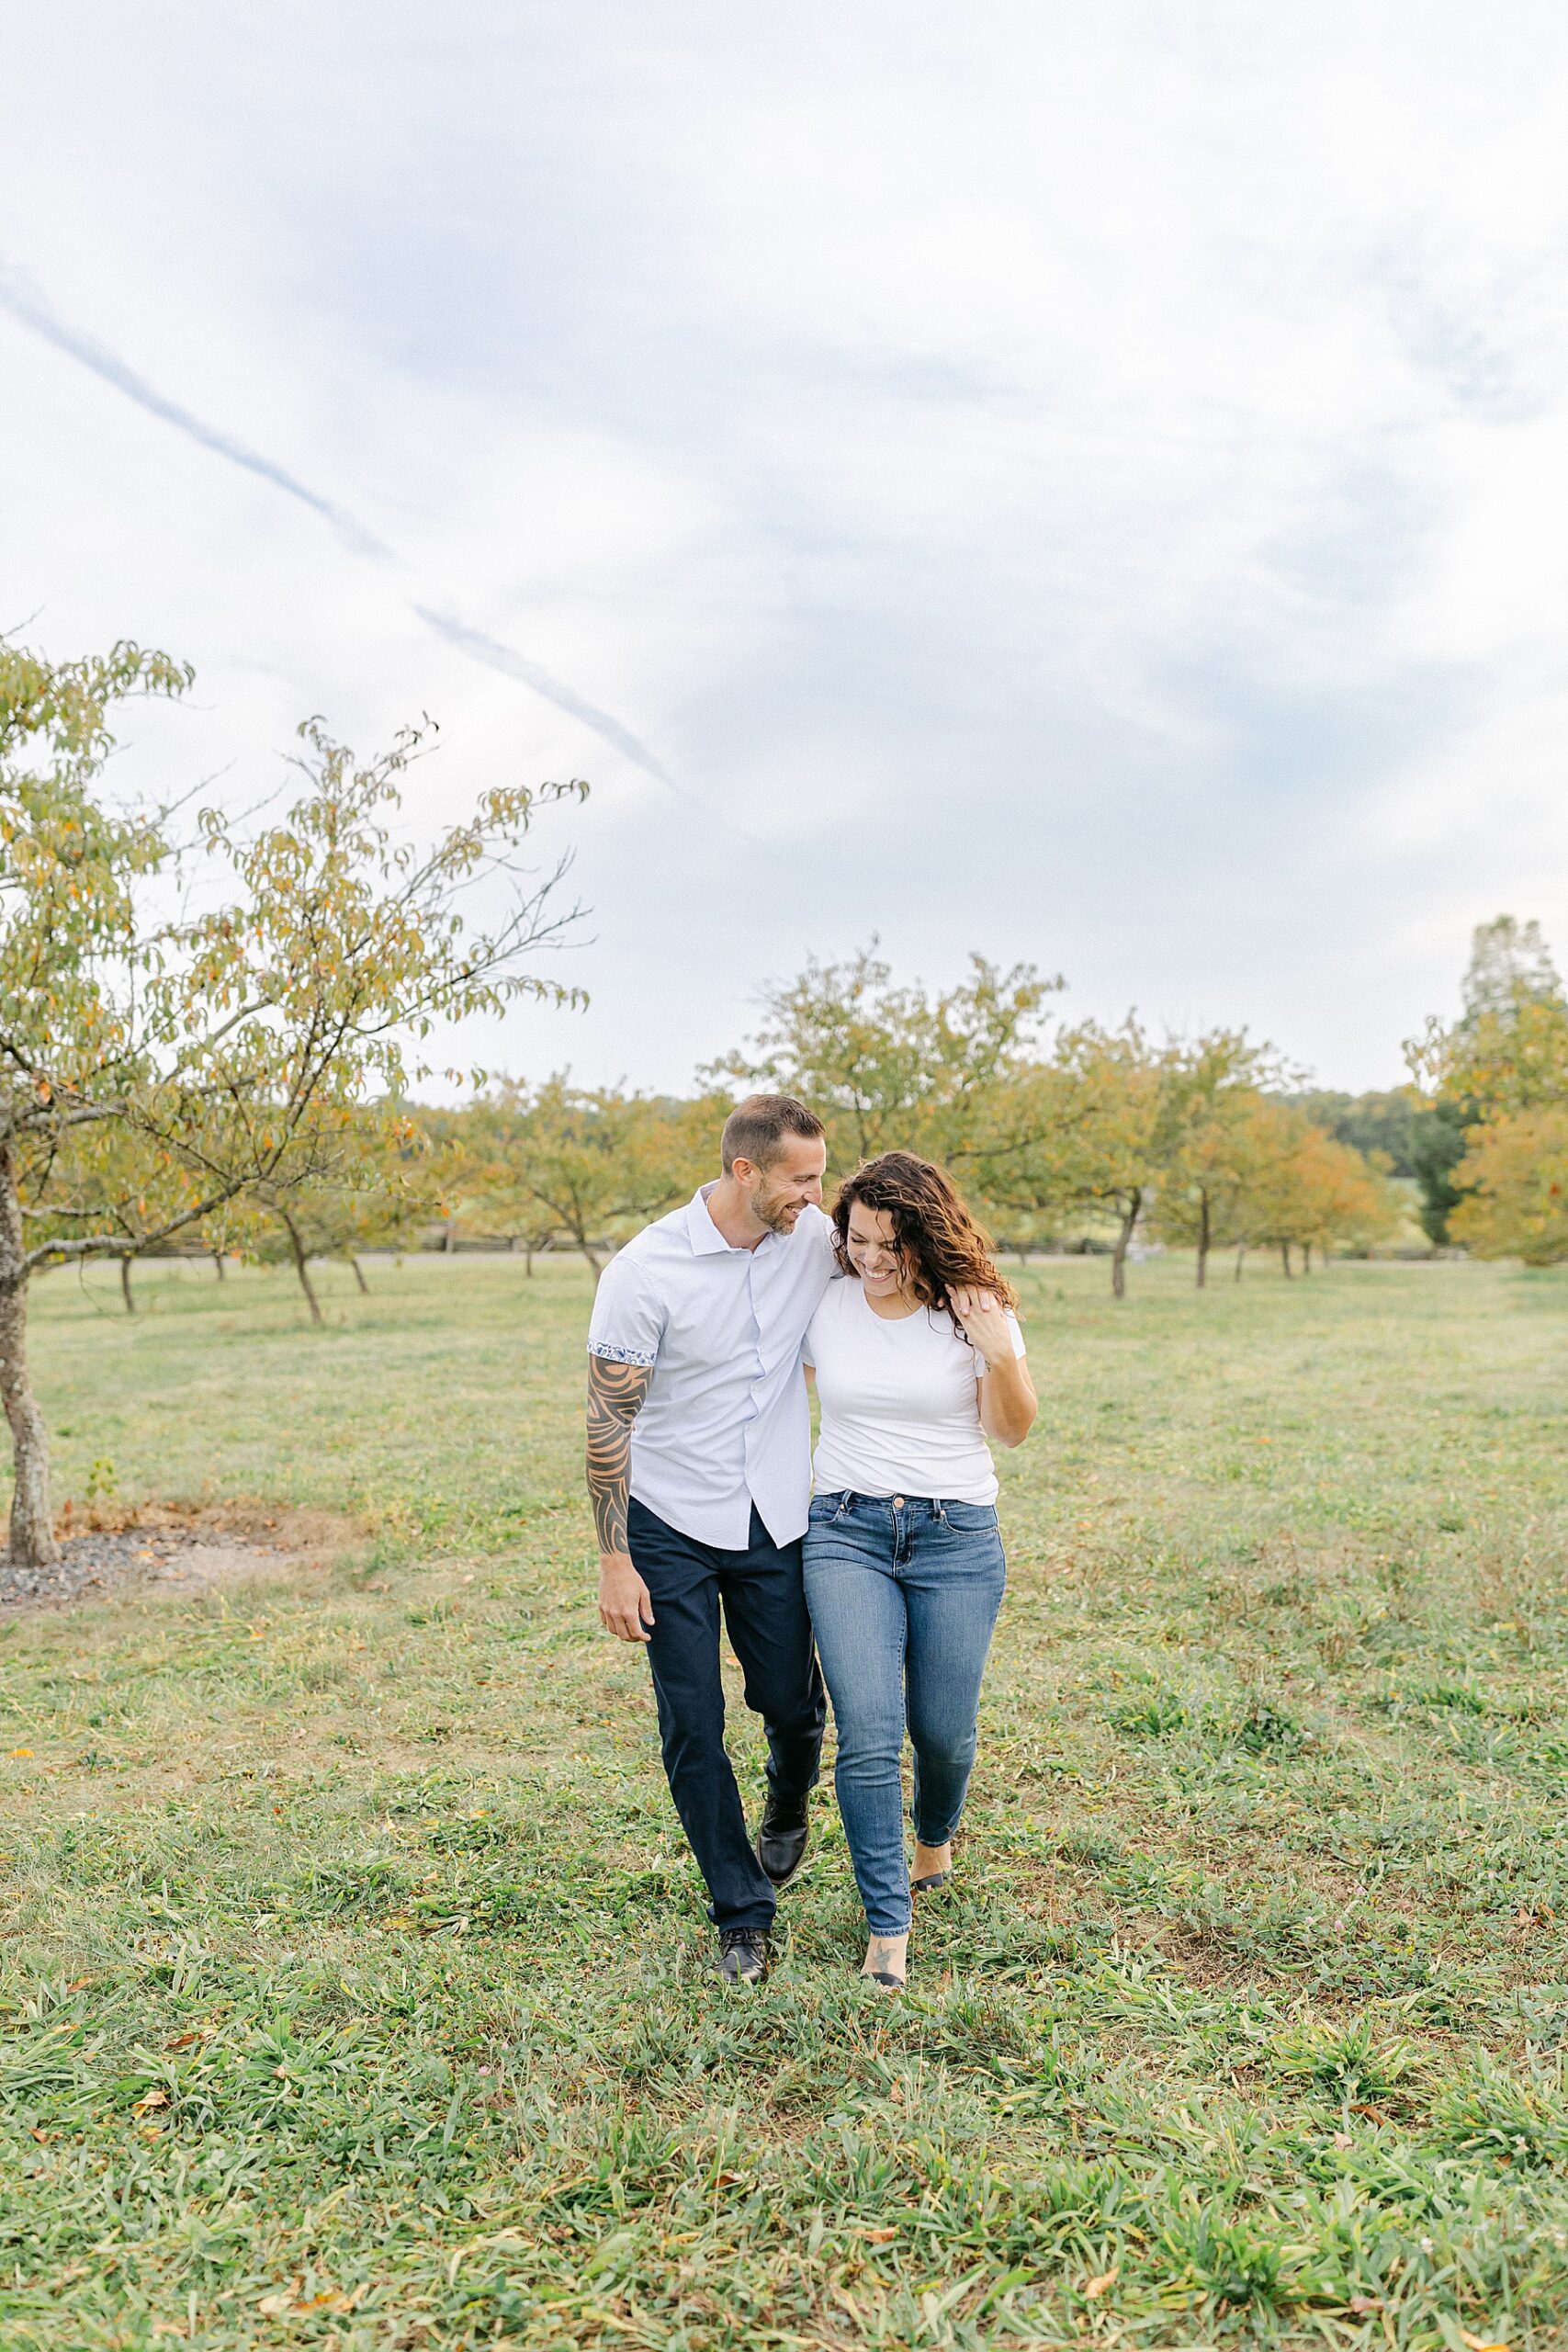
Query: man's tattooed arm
615, 1395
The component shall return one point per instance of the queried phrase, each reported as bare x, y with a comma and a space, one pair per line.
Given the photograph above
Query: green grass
354, 1978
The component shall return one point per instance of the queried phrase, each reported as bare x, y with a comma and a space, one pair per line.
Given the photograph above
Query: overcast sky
1083, 484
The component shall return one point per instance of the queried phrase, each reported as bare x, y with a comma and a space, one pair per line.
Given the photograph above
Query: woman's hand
984, 1322
1007, 1404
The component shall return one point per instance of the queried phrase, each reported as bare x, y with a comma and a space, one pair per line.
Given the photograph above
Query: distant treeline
210, 1033
1422, 1141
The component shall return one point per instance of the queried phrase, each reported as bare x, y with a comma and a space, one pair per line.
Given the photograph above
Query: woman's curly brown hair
941, 1247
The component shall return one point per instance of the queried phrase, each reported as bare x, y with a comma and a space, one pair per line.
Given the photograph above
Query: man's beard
779, 1216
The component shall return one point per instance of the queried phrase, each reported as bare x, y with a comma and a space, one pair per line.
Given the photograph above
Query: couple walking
706, 1328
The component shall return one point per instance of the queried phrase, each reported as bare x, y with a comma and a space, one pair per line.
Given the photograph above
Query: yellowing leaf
1094, 2288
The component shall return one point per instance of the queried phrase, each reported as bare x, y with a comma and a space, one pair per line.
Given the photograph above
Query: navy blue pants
764, 1603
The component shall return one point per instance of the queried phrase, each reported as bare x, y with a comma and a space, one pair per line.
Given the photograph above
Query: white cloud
1110, 458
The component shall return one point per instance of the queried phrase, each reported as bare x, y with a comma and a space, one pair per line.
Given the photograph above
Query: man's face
777, 1193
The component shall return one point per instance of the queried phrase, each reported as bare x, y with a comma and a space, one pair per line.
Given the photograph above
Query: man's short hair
756, 1128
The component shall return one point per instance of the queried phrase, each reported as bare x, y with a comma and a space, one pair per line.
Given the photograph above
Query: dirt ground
191, 1551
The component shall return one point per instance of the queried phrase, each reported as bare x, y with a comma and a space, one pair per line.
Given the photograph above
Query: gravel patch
93, 1565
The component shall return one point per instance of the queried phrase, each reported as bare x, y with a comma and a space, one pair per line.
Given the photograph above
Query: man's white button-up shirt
725, 1423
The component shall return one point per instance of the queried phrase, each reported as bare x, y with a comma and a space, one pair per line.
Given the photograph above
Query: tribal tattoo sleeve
615, 1395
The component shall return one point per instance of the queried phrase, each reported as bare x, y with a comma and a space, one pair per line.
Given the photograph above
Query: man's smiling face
777, 1193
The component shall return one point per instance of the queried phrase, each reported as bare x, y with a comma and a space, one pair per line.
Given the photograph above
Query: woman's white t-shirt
900, 1412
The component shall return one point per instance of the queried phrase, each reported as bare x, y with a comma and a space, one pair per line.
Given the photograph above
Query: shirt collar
704, 1237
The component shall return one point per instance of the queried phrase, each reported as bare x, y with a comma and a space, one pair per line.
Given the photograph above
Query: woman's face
871, 1251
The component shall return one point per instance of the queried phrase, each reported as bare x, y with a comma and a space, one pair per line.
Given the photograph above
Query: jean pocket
971, 1518
825, 1509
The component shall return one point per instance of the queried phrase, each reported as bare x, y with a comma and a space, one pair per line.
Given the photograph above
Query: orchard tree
1509, 1051
1510, 964
1303, 1188
884, 1065
76, 1038
392, 1180
588, 1163
1345, 1196
484, 1189
1077, 1131
1208, 1137
1505, 1057
232, 1050
1514, 1175
102, 1170
1260, 1201
1381, 1122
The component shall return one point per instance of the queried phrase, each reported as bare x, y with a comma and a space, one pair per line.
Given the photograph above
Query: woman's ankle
886, 1955
932, 1857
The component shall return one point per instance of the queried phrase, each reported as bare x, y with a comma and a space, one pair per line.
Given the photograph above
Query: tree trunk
1123, 1236
126, 1292
528, 1259
1203, 1242
1285, 1259
1240, 1254
1306, 1257
359, 1275
300, 1266
218, 1262
32, 1521
449, 1238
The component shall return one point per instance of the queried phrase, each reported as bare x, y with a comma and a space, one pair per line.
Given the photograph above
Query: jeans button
897, 1503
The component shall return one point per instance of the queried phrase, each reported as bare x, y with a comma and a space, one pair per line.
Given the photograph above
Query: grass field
355, 1986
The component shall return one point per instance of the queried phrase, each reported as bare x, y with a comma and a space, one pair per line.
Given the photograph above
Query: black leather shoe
743, 1955
780, 1839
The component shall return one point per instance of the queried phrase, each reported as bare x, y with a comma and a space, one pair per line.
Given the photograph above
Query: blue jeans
903, 1594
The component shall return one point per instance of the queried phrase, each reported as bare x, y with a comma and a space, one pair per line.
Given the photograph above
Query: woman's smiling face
873, 1252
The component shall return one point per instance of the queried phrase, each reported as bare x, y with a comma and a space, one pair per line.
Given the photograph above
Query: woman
917, 1359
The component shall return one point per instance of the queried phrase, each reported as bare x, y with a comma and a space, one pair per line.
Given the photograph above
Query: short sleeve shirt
725, 1423
900, 1401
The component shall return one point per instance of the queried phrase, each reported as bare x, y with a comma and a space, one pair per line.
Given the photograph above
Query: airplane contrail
516, 665
27, 305
22, 298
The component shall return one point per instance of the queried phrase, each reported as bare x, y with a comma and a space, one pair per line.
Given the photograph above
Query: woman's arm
1008, 1402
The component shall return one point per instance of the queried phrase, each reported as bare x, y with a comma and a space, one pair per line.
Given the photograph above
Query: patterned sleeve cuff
621, 1355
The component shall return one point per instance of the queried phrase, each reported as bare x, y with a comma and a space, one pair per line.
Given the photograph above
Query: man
699, 1464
